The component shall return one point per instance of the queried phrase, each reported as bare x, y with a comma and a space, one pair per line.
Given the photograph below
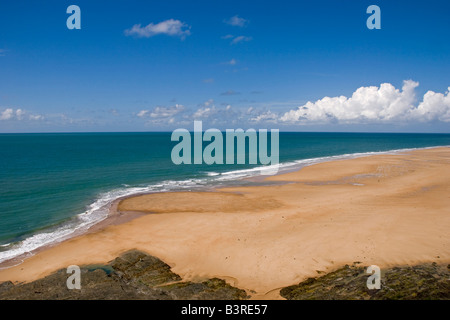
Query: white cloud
267, 116
142, 113
18, 114
232, 62
36, 117
161, 112
435, 106
169, 27
208, 111
208, 103
2, 52
241, 39
236, 21
7, 114
382, 104
237, 39
204, 112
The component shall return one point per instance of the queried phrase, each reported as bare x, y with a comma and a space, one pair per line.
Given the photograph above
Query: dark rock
424, 282
5, 286
132, 276
210, 289
136, 266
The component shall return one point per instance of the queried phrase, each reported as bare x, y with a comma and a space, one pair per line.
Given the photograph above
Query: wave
96, 212
298, 164
100, 208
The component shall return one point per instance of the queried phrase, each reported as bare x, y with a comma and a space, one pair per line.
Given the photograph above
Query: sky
287, 65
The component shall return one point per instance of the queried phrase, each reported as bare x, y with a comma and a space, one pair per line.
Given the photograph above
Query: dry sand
385, 210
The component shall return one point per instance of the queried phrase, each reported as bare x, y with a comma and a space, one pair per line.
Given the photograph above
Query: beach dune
383, 210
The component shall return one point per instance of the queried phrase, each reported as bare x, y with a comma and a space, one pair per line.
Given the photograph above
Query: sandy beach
385, 210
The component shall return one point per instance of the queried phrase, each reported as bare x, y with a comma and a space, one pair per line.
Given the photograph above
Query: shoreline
114, 217
171, 206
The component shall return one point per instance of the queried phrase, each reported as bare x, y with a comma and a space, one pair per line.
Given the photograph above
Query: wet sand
385, 210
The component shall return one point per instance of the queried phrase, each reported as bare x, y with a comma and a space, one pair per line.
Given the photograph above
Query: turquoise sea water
53, 184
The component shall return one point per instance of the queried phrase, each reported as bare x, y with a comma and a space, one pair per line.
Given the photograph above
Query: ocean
52, 185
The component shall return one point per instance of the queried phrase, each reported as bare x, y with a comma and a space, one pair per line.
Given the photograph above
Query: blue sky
160, 65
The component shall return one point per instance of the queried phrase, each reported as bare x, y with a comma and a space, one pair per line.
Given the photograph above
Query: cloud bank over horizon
383, 104
18, 114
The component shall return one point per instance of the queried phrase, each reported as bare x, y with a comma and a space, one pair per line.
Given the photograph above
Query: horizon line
268, 130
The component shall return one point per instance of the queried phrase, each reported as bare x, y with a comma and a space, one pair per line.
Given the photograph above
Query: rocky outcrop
421, 282
134, 275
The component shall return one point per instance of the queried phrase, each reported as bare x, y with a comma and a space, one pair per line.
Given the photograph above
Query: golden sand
385, 210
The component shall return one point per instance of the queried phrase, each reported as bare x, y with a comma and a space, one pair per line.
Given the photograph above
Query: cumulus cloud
266, 116
435, 106
373, 104
215, 115
236, 21
170, 27
18, 114
7, 114
161, 112
207, 109
142, 113
204, 112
